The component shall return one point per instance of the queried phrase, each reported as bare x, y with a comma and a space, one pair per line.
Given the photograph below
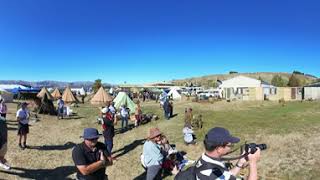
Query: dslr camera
252, 147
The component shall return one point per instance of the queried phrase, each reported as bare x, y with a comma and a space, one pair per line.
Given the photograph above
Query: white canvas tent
6, 96
174, 94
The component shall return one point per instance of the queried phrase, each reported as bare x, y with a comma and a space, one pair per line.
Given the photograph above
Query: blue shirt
152, 154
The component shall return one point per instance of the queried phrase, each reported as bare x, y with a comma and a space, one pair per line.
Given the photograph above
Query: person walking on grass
60, 104
3, 143
23, 125
91, 157
138, 115
124, 117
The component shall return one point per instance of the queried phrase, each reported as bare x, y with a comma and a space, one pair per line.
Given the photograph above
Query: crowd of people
159, 157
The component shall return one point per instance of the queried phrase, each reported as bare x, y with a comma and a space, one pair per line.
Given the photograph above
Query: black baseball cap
219, 136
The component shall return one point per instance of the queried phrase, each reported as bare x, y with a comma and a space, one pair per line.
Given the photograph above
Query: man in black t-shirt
91, 157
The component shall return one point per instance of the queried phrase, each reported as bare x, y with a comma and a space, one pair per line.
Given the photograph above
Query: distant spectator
60, 104
170, 108
23, 126
188, 115
113, 110
124, 117
138, 115
188, 135
166, 109
3, 144
3, 109
91, 157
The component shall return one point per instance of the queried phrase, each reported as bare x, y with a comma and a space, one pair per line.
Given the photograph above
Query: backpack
190, 173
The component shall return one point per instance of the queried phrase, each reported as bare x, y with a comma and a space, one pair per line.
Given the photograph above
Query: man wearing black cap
218, 142
91, 157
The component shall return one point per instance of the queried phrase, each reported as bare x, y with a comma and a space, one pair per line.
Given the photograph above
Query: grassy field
292, 134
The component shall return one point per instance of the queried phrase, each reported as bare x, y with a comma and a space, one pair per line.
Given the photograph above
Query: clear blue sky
141, 41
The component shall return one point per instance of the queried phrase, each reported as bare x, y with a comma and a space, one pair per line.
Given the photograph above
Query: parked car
208, 93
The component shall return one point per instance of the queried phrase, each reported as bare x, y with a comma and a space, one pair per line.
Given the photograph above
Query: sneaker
4, 166
20, 146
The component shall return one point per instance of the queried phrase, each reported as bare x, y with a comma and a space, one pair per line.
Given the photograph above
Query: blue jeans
124, 120
154, 172
109, 145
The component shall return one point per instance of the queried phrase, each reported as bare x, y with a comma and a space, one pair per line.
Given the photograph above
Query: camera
252, 147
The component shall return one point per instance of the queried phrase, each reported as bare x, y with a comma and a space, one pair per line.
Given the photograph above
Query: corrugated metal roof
317, 84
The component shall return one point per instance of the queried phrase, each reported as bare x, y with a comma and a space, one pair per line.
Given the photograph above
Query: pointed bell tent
44, 91
67, 96
101, 97
123, 99
56, 94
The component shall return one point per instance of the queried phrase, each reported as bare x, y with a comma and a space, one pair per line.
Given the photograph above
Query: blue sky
154, 40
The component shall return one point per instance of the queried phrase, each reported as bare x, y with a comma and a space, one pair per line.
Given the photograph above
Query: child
188, 134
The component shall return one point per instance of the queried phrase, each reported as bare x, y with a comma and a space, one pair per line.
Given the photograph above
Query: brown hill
211, 80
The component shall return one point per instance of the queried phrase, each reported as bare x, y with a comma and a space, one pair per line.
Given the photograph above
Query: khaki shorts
3, 150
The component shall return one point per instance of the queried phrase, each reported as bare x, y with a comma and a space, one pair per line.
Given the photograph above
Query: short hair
210, 146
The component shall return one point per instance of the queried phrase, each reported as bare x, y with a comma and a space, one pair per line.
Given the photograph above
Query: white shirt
124, 112
23, 116
187, 134
112, 109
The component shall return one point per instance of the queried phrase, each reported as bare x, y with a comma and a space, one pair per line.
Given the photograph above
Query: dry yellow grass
293, 149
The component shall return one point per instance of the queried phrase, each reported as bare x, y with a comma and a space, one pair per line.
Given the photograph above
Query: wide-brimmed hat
219, 136
90, 133
154, 132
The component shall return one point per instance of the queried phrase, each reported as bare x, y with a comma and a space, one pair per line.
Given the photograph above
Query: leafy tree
278, 81
260, 78
96, 85
233, 72
294, 81
297, 72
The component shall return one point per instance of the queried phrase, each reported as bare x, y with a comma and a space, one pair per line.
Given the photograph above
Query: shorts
3, 150
23, 129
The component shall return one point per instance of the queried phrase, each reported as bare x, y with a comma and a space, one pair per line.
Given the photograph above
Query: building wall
286, 94
312, 93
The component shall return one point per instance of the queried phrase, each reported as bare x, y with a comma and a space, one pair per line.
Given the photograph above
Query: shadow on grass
174, 115
12, 129
120, 130
12, 123
142, 176
66, 146
39, 174
128, 148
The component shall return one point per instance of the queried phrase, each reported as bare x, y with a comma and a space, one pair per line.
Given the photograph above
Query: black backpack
190, 173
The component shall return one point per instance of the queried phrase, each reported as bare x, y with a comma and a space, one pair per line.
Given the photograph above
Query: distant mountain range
53, 84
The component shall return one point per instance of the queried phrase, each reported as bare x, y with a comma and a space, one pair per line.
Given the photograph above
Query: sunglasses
229, 145
95, 139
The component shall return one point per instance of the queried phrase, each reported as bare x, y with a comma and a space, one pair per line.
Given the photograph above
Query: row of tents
100, 98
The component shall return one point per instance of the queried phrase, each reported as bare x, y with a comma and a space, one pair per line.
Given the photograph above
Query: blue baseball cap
90, 133
219, 136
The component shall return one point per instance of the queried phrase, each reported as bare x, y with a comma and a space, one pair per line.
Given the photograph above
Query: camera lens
262, 146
